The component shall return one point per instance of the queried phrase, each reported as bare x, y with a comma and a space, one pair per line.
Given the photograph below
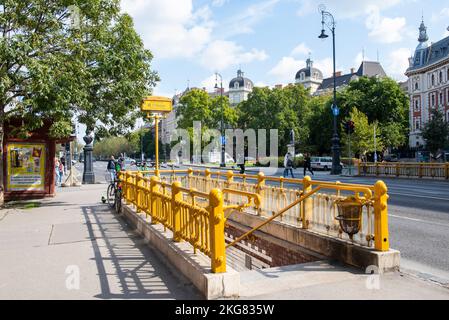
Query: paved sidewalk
44, 248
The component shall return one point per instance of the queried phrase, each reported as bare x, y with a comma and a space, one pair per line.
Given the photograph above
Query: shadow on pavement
127, 267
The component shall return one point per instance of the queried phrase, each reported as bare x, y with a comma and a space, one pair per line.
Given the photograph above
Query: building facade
309, 77
428, 83
239, 88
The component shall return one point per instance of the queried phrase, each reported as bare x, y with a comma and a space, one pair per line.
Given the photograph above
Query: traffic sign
156, 104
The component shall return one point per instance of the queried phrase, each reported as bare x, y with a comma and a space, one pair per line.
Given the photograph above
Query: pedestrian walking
61, 172
307, 164
241, 162
57, 171
288, 165
111, 168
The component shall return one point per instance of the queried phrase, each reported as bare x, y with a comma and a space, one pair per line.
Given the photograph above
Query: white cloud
244, 22
285, 70
443, 14
301, 49
219, 3
209, 83
384, 29
221, 54
342, 9
398, 63
170, 28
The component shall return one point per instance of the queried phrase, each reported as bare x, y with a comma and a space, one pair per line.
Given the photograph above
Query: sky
271, 39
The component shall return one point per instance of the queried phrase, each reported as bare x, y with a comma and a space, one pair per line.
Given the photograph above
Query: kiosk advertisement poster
26, 166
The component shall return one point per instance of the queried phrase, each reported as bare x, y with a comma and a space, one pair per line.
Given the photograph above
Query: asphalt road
418, 219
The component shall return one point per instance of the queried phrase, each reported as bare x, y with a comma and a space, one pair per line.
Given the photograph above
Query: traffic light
349, 126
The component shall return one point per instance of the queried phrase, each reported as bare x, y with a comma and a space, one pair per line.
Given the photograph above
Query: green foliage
362, 140
280, 108
382, 100
436, 132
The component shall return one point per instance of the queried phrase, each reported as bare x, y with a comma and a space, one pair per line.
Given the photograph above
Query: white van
321, 163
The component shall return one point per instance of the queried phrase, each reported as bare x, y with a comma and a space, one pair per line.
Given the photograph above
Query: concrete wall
319, 245
196, 267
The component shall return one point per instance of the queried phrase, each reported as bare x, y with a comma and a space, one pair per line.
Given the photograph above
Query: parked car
391, 158
322, 163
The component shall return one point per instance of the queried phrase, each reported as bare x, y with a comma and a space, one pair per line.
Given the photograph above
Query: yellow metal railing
405, 169
316, 213
193, 216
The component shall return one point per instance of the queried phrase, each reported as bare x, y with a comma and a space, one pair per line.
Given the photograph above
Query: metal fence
405, 169
193, 204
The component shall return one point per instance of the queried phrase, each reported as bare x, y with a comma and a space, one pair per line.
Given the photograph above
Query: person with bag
307, 164
288, 165
61, 172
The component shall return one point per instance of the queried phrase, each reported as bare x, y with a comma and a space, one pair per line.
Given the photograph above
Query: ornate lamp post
327, 20
88, 173
222, 138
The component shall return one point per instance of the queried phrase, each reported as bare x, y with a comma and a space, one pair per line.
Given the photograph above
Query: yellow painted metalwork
405, 169
216, 224
194, 209
381, 237
307, 204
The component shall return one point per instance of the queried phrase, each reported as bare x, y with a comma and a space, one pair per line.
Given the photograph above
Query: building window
433, 80
416, 86
417, 125
236, 85
433, 100
441, 76
441, 99
416, 105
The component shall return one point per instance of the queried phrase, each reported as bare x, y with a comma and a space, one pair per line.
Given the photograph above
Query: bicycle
114, 193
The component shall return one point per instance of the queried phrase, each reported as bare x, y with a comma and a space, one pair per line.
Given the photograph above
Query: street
418, 218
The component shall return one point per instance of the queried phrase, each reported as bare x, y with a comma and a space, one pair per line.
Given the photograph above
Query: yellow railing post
260, 189
307, 203
229, 181
154, 187
216, 227
447, 170
139, 192
381, 237
176, 195
398, 168
129, 187
207, 175
377, 168
420, 170
189, 177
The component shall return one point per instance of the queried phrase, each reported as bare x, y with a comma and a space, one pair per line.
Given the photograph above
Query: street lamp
327, 20
222, 138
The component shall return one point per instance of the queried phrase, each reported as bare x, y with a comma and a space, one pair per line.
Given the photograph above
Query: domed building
239, 88
309, 77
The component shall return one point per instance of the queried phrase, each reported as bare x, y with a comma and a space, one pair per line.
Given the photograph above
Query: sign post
156, 105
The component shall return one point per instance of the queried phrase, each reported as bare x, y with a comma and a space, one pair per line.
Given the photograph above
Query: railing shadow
127, 267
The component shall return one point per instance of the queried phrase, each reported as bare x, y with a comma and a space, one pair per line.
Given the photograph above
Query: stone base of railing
195, 267
326, 247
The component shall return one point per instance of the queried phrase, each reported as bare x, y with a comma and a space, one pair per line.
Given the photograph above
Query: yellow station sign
156, 104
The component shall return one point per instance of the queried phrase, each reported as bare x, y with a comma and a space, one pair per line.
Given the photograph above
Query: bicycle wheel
111, 195
118, 201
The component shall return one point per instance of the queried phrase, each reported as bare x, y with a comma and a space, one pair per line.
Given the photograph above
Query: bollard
229, 181
381, 238
216, 227
207, 175
307, 205
176, 195
189, 177
129, 187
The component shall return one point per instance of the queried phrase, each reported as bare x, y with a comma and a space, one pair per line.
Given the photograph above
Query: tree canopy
62, 59
436, 132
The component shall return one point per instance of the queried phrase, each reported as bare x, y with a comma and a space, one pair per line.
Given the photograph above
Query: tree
382, 100
436, 132
280, 108
50, 68
362, 140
